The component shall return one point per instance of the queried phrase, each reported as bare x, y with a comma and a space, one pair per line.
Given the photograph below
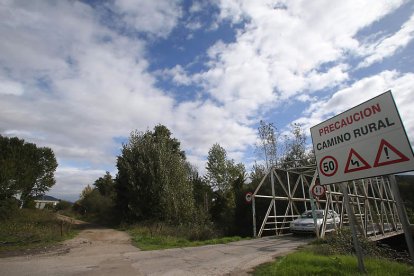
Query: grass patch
334, 255
28, 229
342, 244
309, 263
164, 237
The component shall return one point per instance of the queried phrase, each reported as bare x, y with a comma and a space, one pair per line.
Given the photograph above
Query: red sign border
383, 143
313, 190
245, 197
336, 166
366, 167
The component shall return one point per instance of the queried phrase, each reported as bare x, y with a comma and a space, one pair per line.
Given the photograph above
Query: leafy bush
8, 208
63, 205
29, 228
29, 203
342, 243
49, 206
97, 208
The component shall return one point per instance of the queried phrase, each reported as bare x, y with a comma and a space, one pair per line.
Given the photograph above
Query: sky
79, 76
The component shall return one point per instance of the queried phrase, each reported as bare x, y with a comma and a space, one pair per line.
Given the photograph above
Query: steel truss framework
288, 196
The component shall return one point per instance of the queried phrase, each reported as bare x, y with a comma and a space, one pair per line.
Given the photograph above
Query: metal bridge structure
285, 194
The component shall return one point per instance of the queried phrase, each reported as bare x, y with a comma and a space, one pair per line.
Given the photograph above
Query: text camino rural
357, 132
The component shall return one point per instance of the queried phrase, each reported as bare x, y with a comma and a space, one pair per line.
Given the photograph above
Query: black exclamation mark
386, 152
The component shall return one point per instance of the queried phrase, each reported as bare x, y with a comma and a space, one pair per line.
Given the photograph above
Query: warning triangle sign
355, 162
388, 154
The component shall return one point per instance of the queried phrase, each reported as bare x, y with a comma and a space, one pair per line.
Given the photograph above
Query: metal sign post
254, 217
352, 224
403, 216
312, 202
315, 221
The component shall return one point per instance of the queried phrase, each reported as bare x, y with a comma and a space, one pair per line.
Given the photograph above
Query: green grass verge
146, 239
333, 255
28, 229
309, 263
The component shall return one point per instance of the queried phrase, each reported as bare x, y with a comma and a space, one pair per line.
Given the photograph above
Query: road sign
355, 162
328, 165
387, 155
318, 190
249, 197
365, 141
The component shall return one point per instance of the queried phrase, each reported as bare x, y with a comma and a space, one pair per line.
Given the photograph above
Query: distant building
44, 200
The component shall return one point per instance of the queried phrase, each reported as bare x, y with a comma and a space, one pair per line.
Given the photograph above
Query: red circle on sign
328, 166
318, 190
249, 197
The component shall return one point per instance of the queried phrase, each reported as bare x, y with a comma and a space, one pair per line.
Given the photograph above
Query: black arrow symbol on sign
354, 162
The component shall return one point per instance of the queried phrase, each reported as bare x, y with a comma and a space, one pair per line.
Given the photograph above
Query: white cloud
87, 84
285, 50
196, 7
157, 18
8, 87
177, 74
199, 125
387, 46
71, 181
363, 90
96, 87
194, 25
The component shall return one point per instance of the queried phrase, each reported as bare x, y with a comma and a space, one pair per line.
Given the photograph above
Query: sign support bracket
352, 223
312, 202
403, 216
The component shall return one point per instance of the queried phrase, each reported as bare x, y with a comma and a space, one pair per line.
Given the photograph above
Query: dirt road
101, 251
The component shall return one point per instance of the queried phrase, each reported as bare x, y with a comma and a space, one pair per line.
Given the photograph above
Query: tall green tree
97, 203
257, 173
295, 154
202, 192
105, 185
153, 180
217, 174
25, 168
225, 177
221, 171
267, 147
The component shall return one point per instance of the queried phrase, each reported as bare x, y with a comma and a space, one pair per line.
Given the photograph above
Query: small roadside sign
365, 141
249, 197
318, 190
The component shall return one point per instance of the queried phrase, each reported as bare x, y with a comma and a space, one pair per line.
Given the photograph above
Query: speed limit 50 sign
328, 165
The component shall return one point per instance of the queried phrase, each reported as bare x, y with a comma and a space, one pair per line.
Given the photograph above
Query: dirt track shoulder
103, 251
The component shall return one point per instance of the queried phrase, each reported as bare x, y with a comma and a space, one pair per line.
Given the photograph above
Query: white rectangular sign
365, 141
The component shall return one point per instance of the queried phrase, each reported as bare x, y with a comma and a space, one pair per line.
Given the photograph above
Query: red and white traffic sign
318, 190
328, 165
388, 154
365, 141
249, 197
355, 162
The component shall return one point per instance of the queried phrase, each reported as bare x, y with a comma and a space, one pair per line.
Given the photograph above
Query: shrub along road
103, 251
